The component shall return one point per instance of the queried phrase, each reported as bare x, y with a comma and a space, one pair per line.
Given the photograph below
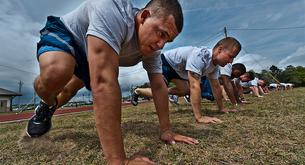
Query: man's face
224, 56
154, 32
244, 78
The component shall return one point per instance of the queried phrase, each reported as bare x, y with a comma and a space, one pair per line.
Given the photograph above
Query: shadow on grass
149, 135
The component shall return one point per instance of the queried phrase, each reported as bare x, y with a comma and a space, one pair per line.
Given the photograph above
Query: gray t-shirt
250, 83
226, 70
113, 22
198, 60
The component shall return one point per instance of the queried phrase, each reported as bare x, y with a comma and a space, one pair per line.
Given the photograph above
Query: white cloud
274, 17
18, 37
255, 62
297, 58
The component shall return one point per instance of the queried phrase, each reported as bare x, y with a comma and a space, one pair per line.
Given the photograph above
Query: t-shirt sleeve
153, 63
254, 82
107, 23
226, 70
195, 63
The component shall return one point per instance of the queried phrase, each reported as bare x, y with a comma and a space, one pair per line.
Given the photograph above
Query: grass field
269, 131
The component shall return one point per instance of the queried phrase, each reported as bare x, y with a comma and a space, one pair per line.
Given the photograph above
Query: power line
274, 28
10, 67
209, 38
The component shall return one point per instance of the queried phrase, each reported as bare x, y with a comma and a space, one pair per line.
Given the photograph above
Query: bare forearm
230, 92
217, 93
261, 90
236, 92
196, 102
107, 108
160, 96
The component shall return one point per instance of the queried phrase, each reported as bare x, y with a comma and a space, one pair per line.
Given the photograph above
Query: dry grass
269, 131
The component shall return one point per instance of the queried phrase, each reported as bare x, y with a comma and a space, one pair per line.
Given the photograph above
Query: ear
144, 15
220, 48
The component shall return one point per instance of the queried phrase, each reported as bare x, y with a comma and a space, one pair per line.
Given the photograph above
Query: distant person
289, 85
274, 86
262, 87
238, 89
252, 86
227, 74
86, 48
184, 66
286, 86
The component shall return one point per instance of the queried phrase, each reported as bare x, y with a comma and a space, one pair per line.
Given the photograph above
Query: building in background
6, 98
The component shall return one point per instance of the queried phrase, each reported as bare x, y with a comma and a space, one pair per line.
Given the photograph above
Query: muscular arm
160, 96
217, 93
103, 65
160, 93
236, 91
228, 88
261, 90
195, 91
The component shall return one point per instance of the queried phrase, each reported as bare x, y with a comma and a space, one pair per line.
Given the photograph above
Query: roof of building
5, 92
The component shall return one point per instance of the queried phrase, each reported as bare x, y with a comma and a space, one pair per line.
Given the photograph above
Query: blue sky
272, 32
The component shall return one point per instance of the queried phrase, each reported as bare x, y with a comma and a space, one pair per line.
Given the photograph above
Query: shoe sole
35, 136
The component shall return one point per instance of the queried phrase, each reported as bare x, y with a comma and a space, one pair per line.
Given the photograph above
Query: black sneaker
40, 123
134, 98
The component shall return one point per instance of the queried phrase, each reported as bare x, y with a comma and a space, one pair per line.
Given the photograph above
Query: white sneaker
173, 99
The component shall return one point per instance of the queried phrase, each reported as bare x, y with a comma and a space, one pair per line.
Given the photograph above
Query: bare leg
56, 70
182, 88
69, 91
224, 93
144, 92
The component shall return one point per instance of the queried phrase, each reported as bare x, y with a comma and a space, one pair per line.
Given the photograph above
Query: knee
54, 76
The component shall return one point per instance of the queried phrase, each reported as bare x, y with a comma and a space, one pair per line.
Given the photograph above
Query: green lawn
269, 131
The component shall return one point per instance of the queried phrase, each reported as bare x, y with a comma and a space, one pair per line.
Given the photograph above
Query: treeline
291, 74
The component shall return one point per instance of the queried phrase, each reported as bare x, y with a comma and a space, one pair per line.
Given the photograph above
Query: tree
275, 71
295, 75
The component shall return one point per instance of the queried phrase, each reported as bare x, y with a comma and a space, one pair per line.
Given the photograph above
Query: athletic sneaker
173, 99
187, 99
40, 123
134, 98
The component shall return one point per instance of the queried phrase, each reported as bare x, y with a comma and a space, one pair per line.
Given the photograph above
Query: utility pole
34, 99
20, 86
225, 31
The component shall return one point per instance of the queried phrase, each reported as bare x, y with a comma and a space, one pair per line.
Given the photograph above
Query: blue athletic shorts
168, 72
56, 37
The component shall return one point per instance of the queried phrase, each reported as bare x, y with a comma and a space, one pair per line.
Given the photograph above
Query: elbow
102, 85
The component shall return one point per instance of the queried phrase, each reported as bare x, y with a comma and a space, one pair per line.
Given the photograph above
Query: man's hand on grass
208, 120
228, 110
172, 138
138, 160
